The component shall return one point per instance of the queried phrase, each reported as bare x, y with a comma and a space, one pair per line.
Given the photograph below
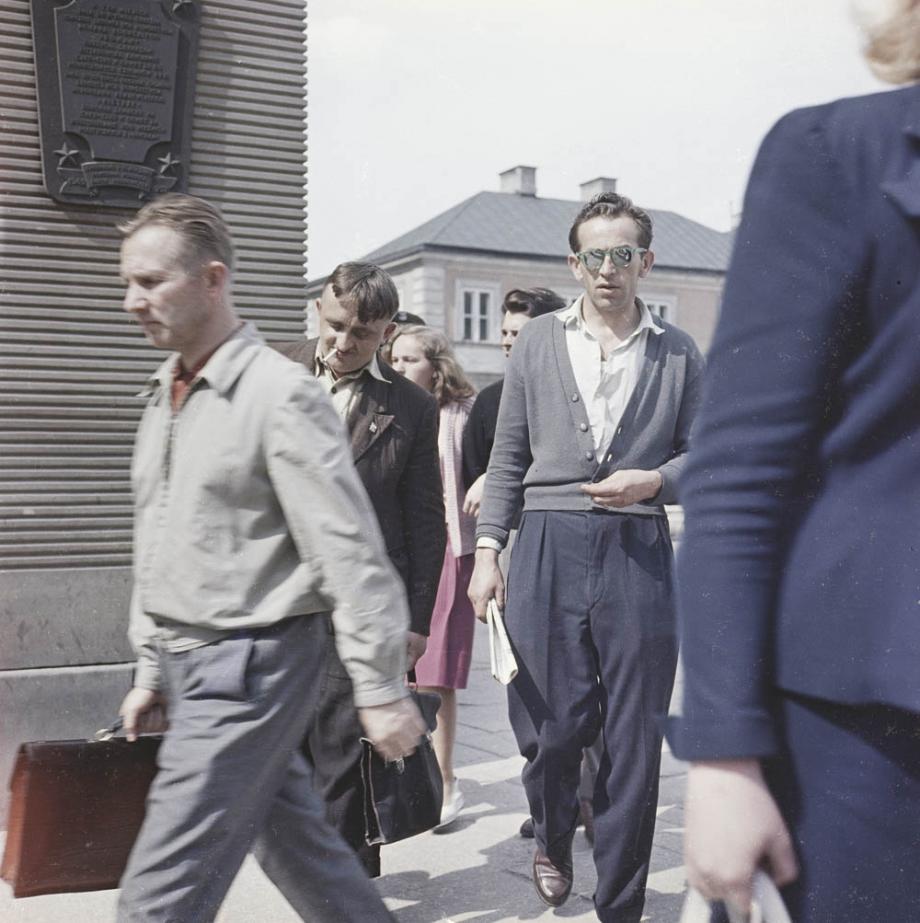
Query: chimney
519, 180
596, 186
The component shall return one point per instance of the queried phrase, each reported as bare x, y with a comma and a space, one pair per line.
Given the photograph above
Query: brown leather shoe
586, 818
553, 882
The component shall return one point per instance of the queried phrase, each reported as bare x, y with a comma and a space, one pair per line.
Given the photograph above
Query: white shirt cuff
485, 542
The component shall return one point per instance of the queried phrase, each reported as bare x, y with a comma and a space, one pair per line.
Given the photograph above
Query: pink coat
461, 528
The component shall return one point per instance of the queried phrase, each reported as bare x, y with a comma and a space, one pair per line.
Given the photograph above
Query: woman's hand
473, 498
733, 827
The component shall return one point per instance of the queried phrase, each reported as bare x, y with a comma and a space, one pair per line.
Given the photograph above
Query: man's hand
394, 729
143, 711
416, 646
473, 498
486, 583
733, 827
623, 488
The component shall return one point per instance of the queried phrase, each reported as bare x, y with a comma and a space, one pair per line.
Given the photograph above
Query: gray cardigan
544, 448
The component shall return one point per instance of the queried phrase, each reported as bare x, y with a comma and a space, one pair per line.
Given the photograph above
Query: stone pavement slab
478, 871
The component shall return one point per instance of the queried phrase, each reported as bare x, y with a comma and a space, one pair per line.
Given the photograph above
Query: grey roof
508, 223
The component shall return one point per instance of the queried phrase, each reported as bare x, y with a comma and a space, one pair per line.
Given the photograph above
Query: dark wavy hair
534, 302
611, 205
368, 288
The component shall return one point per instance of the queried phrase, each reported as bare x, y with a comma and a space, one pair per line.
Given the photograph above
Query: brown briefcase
75, 811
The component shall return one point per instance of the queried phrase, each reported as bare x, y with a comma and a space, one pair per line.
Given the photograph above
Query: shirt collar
647, 320
222, 369
573, 318
372, 368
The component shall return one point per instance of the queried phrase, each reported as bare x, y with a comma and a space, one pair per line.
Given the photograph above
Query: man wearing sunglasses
592, 434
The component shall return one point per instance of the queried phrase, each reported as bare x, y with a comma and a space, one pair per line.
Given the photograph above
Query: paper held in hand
504, 666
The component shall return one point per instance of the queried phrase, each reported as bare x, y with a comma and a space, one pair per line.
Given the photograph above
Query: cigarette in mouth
329, 355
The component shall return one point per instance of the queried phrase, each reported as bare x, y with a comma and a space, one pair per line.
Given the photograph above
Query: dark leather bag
403, 798
75, 811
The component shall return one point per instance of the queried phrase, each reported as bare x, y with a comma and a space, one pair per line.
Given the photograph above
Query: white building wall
426, 285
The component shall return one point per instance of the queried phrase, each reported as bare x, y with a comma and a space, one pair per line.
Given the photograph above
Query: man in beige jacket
253, 537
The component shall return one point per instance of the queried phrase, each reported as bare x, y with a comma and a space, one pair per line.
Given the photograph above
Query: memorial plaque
116, 85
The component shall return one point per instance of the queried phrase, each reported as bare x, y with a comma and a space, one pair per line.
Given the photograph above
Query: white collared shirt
606, 385
344, 389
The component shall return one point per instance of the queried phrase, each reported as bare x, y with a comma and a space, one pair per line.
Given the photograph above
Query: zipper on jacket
173, 421
170, 442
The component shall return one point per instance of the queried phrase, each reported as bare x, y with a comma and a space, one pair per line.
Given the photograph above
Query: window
664, 307
475, 315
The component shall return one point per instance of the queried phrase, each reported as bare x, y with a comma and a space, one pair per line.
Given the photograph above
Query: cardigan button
583, 427
574, 398
589, 455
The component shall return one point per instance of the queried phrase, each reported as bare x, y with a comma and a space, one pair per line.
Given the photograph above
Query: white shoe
451, 807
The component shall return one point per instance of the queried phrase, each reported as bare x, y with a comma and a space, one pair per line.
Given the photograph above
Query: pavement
477, 871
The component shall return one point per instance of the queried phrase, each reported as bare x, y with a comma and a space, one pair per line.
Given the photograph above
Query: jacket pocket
218, 670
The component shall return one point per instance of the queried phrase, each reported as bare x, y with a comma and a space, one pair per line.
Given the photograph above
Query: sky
414, 105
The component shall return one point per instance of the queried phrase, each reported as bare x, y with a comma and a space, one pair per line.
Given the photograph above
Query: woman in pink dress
424, 356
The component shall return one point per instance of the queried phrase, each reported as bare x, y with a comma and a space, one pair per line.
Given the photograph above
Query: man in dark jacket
393, 426
520, 306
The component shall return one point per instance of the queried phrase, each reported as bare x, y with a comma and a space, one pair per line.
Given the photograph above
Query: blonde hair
199, 222
450, 382
893, 43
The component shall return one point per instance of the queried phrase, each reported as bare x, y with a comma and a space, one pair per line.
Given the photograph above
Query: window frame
476, 289
663, 306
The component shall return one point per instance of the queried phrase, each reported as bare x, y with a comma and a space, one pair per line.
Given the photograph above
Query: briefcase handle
107, 733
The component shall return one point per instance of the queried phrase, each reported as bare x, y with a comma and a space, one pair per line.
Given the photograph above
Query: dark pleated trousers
333, 750
591, 617
230, 779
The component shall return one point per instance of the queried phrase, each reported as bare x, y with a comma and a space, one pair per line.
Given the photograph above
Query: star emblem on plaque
67, 155
116, 86
168, 163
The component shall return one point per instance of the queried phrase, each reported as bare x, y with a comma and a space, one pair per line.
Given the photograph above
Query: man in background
520, 306
393, 428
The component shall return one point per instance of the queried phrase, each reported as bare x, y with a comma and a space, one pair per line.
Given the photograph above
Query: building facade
455, 269
73, 362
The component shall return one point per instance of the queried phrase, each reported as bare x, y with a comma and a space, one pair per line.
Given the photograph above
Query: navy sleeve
769, 392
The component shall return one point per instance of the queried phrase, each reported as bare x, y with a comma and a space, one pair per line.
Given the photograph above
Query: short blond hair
893, 43
200, 224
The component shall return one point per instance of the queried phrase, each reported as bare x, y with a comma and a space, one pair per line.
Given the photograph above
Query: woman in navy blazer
799, 578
